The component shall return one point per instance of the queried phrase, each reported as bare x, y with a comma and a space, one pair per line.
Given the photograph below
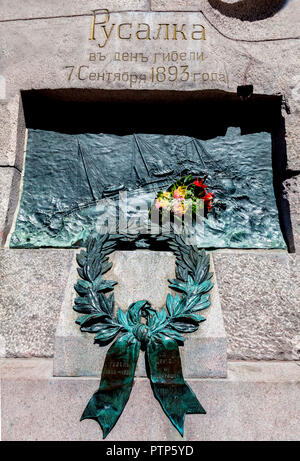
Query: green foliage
181, 313
91, 288
193, 281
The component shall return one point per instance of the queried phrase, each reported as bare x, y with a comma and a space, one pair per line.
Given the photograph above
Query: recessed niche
86, 145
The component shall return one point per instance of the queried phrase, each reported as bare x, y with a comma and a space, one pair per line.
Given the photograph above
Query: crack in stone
11, 166
68, 16
44, 17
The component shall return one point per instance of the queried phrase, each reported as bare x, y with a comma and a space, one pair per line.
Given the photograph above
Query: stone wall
45, 45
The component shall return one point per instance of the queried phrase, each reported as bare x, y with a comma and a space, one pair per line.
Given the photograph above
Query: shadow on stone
248, 10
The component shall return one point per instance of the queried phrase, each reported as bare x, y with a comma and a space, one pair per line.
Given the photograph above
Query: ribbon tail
108, 402
174, 394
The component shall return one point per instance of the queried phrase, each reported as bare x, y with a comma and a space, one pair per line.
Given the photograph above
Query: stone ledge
258, 401
140, 274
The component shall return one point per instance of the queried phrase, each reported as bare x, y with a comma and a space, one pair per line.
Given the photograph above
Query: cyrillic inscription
140, 31
148, 64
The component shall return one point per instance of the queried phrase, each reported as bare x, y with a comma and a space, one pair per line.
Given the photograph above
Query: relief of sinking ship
143, 165
73, 183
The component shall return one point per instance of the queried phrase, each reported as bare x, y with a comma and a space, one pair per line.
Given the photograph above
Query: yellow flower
161, 203
180, 192
179, 208
166, 195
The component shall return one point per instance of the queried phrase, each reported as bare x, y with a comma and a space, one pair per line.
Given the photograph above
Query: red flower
208, 199
200, 183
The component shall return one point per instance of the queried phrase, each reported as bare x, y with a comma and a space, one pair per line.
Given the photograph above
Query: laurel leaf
202, 269
106, 267
173, 303
82, 287
90, 318
204, 287
82, 305
162, 316
80, 272
203, 303
171, 334
103, 285
184, 327
81, 258
177, 285
106, 334
191, 301
122, 318
94, 267
193, 317
105, 304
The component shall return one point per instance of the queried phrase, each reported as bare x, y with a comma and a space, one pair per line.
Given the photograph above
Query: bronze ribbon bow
169, 387
159, 336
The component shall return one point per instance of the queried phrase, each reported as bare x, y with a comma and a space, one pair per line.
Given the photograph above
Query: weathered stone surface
12, 132
259, 294
6, 177
235, 53
140, 275
249, 58
22, 68
292, 137
14, 9
31, 292
177, 5
255, 63
294, 262
256, 402
292, 193
9, 182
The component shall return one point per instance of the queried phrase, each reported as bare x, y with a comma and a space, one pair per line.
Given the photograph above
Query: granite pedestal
257, 401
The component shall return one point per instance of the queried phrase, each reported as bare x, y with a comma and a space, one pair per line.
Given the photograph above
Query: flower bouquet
186, 194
